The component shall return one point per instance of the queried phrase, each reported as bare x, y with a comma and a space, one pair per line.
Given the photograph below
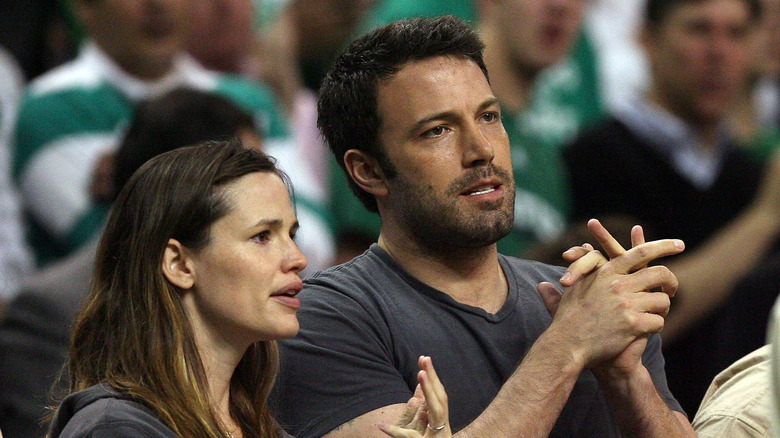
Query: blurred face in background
222, 33
324, 27
142, 36
765, 41
538, 33
699, 57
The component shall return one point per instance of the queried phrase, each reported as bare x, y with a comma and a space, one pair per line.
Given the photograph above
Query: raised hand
427, 412
608, 304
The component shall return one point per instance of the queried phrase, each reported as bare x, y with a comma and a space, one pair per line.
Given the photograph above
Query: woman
195, 278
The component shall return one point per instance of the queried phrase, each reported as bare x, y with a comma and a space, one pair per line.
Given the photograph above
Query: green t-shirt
564, 101
764, 144
71, 116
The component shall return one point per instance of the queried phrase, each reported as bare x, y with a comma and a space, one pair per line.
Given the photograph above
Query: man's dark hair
656, 11
181, 117
348, 116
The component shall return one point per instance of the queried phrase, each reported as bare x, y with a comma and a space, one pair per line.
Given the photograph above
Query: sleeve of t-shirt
653, 360
339, 366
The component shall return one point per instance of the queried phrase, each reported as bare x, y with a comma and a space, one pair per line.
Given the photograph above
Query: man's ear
365, 171
177, 265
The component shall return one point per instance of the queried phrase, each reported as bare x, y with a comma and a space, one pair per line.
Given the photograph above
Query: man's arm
709, 274
526, 406
596, 320
628, 386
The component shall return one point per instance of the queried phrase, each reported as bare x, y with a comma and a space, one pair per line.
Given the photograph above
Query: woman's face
246, 277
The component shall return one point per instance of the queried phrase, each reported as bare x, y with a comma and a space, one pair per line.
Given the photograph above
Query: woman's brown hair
133, 332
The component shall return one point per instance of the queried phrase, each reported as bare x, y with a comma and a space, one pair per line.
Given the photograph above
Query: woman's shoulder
101, 411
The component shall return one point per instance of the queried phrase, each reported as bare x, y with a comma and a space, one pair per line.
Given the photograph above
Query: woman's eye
262, 237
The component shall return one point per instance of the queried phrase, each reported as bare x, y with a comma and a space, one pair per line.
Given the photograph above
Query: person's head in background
698, 52
178, 118
142, 36
223, 33
523, 37
534, 34
324, 28
197, 252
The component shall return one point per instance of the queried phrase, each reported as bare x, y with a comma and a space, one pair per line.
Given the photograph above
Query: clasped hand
610, 306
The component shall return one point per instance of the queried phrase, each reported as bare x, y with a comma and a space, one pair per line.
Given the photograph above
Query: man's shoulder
611, 128
611, 140
352, 277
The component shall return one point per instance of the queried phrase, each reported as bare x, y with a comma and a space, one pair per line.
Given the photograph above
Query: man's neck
511, 83
471, 276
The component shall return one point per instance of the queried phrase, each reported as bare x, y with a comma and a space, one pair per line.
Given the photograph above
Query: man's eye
435, 132
490, 117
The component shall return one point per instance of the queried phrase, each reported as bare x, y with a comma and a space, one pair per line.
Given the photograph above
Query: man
543, 71
409, 114
76, 113
670, 160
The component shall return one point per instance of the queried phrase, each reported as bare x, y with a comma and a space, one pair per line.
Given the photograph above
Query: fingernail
679, 244
566, 276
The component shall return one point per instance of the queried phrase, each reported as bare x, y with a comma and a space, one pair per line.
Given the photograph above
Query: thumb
550, 295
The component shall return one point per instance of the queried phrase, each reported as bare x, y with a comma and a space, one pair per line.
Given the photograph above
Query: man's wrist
623, 383
569, 359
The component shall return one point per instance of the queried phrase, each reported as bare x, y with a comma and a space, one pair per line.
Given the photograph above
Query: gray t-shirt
365, 323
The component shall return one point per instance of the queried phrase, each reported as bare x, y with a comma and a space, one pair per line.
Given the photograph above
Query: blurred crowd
668, 118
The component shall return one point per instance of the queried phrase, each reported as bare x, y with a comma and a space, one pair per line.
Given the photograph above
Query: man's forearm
529, 403
639, 409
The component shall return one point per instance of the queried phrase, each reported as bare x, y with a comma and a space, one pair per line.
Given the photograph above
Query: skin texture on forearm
708, 275
639, 410
531, 400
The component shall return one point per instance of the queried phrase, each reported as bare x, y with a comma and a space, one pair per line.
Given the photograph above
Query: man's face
699, 58
441, 129
142, 36
222, 32
538, 33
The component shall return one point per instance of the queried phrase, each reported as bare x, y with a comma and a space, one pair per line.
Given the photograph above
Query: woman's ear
177, 265
365, 171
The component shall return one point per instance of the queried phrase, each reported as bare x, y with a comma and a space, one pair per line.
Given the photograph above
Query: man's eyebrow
491, 101
444, 115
